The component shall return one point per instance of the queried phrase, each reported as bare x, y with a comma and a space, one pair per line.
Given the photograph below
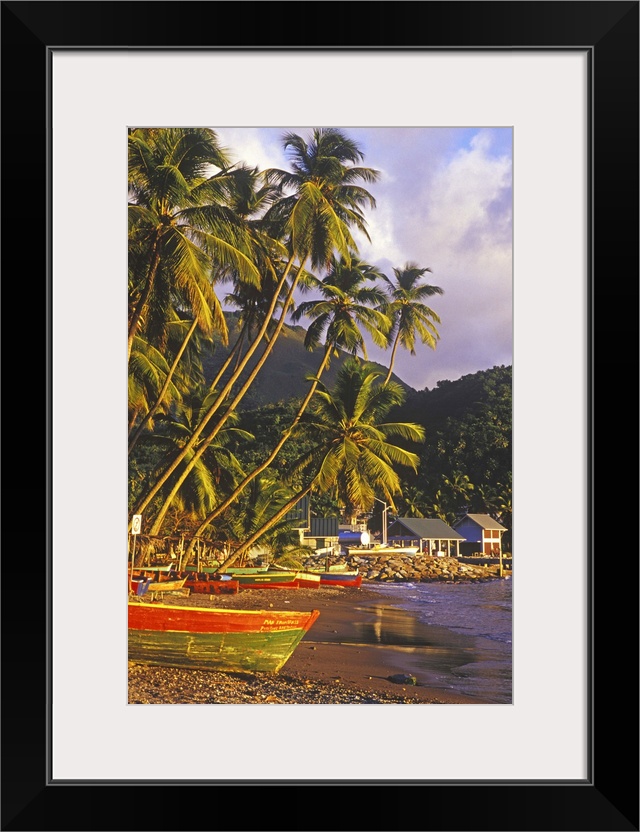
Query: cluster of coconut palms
204, 232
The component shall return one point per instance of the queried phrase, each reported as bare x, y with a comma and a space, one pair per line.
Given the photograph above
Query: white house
432, 536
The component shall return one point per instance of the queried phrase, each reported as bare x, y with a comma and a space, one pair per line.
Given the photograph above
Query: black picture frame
608, 799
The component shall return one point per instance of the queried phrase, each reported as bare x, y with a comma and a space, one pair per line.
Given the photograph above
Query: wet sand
357, 643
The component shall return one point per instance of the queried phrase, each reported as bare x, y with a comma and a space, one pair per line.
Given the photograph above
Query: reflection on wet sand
436, 656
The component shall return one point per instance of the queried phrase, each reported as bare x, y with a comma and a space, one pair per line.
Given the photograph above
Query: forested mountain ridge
466, 459
466, 456
284, 374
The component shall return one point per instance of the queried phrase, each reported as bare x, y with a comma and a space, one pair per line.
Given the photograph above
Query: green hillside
283, 375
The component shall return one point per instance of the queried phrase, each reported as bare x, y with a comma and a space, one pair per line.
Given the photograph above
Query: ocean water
455, 637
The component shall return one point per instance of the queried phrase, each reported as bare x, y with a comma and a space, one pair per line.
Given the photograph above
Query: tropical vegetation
278, 247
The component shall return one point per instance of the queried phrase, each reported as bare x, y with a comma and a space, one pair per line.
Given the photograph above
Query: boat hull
268, 580
231, 570
167, 586
373, 551
215, 639
213, 587
340, 579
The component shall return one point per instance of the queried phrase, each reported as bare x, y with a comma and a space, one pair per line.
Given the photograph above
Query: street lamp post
384, 520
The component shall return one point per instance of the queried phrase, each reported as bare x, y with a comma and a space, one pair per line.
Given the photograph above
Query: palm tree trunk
157, 523
151, 493
146, 292
241, 550
267, 462
165, 386
392, 359
236, 351
239, 356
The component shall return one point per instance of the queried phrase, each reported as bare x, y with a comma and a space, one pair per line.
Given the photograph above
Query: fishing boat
308, 580
380, 549
341, 579
231, 570
139, 585
215, 639
268, 580
204, 584
168, 585
305, 578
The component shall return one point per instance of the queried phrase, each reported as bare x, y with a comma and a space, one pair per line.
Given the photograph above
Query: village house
322, 535
432, 536
482, 534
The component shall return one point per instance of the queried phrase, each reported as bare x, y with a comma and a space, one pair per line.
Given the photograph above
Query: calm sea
452, 636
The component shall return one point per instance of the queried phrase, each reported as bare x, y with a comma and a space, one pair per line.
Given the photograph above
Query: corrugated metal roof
485, 521
424, 528
324, 527
299, 514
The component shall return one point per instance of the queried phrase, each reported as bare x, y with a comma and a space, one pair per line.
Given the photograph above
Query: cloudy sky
444, 200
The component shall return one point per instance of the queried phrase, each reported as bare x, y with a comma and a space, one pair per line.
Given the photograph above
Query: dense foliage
203, 462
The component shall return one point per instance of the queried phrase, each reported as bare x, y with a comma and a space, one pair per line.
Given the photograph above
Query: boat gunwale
197, 609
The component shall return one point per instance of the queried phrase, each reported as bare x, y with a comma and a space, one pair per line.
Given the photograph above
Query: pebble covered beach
329, 666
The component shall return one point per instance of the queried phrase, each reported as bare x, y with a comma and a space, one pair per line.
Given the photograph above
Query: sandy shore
339, 661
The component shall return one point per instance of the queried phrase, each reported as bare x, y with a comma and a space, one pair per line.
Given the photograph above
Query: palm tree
178, 224
352, 456
148, 374
316, 218
338, 316
346, 307
167, 391
361, 459
410, 316
260, 501
216, 472
459, 488
412, 503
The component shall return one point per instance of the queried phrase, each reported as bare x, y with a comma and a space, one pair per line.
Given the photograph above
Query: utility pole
384, 520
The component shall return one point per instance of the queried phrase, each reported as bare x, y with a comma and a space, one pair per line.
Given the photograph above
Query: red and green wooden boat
268, 580
304, 578
340, 579
231, 570
215, 639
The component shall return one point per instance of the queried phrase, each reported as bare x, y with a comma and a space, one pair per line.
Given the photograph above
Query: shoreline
343, 659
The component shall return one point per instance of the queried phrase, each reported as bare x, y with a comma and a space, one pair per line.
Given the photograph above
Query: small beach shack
483, 534
432, 535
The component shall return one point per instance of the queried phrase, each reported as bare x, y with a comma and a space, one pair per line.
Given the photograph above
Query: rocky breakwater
416, 569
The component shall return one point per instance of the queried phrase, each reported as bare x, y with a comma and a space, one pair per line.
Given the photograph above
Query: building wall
472, 531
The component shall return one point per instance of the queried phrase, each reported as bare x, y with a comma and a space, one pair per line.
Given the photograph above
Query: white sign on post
136, 524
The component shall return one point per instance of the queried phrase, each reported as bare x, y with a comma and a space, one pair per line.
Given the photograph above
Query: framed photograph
562, 78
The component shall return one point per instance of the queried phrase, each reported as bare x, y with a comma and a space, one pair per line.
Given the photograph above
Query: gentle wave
480, 616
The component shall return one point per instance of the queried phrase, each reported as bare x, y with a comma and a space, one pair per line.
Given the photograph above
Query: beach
347, 657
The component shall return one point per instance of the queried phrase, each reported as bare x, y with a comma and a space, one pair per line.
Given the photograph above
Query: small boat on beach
341, 579
139, 585
168, 585
305, 578
203, 584
215, 639
268, 580
231, 570
379, 549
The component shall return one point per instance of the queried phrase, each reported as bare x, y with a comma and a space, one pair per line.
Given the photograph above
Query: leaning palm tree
216, 472
316, 218
361, 460
178, 223
346, 307
352, 455
410, 316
